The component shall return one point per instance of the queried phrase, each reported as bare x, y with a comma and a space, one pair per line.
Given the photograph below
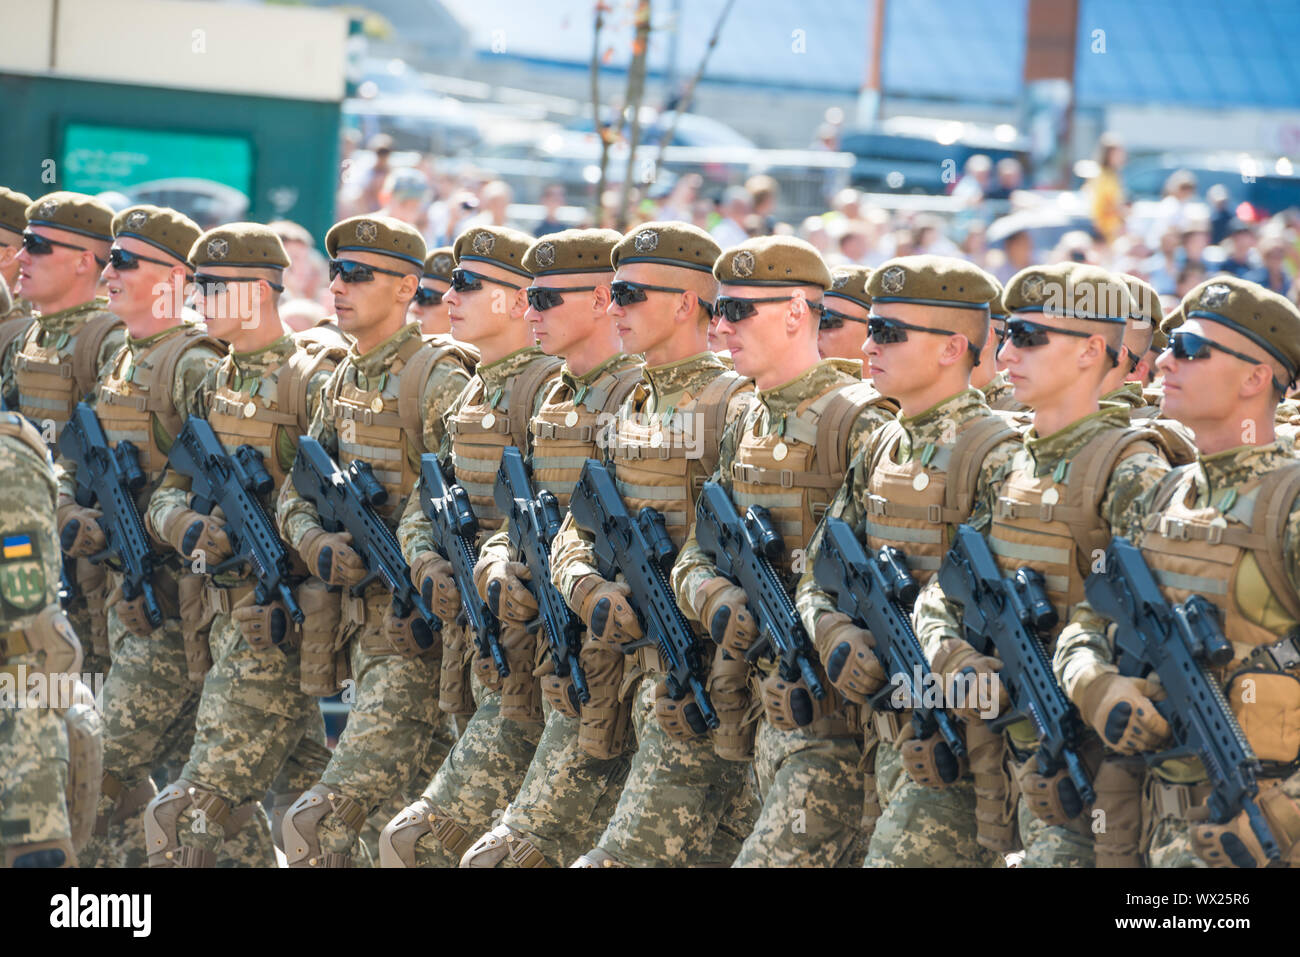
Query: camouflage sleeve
572, 557
65, 471
1083, 650
447, 381
847, 506
28, 581
414, 530
173, 490
1128, 493
114, 342
297, 516
866, 425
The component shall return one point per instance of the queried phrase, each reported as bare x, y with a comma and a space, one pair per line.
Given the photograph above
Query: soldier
16, 316
142, 397
1064, 334
1226, 527
842, 332
428, 308
911, 487
488, 304
50, 733
682, 803
384, 403
989, 376
566, 795
252, 713
807, 422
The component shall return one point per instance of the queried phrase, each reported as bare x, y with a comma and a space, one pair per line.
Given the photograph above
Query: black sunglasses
122, 259
1190, 346
424, 296
542, 298
42, 246
834, 320
733, 309
209, 285
462, 280
353, 271
1024, 334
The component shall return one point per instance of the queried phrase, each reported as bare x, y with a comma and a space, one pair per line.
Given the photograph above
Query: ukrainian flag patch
17, 546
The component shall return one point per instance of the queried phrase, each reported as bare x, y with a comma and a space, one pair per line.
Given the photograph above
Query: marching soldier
1055, 505
566, 795
842, 330
913, 484
807, 421
428, 307
384, 403
682, 803
488, 303
1226, 527
989, 376
16, 316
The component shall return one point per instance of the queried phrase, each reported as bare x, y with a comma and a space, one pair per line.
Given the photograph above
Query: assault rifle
235, 483
1177, 643
108, 478
346, 502
534, 520
877, 592
641, 549
1005, 618
454, 527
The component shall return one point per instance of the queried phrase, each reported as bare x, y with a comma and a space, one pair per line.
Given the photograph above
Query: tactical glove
605, 609
80, 534
330, 556
510, 600
851, 665
724, 611
1123, 712
432, 575
192, 534
1235, 845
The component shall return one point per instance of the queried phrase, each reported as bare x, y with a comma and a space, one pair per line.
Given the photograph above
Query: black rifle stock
534, 520
447, 506
1176, 642
234, 483
345, 501
877, 591
1004, 617
641, 549
108, 478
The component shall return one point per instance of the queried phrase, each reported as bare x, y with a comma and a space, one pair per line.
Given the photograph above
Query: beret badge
546, 254
742, 264
483, 243
217, 248
892, 280
646, 241
1215, 295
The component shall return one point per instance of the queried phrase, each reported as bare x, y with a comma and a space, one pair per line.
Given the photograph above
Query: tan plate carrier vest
49, 385
13, 328
480, 433
371, 422
565, 429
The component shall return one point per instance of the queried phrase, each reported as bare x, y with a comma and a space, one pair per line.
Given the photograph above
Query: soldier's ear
600, 299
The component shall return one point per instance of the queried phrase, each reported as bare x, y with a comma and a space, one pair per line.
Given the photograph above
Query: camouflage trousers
567, 795
681, 805
33, 777
811, 791
252, 718
1167, 837
1050, 845
921, 826
475, 783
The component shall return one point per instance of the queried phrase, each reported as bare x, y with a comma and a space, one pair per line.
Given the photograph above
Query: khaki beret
439, 264
572, 250
382, 235
1270, 321
248, 245
850, 282
1146, 301
996, 309
1070, 290
13, 209
772, 261
159, 226
1173, 319
75, 212
668, 243
498, 245
932, 281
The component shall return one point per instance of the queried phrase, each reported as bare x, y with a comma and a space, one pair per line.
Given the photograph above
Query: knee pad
398, 839
280, 804
161, 818
85, 729
597, 858
301, 822
58, 853
499, 843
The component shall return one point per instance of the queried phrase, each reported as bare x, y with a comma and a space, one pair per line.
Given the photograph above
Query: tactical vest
324, 334
139, 409
794, 475
480, 432
1055, 526
382, 423
914, 505
54, 377
12, 328
565, 428
658, 463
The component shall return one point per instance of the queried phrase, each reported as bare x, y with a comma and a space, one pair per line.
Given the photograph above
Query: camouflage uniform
999, 394
919, 826
1047, 460
682, 804
471, 789
37, 824
14, 324
394, 719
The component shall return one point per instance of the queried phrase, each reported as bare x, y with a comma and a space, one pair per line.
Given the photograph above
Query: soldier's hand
131, 613
956, 659
851, 664
80, 534
263, 626
1122, 710
193, 533
432, 575
501, 585
724, 611
330, 556
605, 609
1234, 844
410, 635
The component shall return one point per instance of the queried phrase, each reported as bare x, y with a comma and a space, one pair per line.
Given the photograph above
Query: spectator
1017, 254
306, 277
1276, 274
1221, 215
494, 206
1189, 277
1106, 188
1161, 268
975, 181
681, 200
1075, 246
1240, 258
703, 214
552, 200
1010, 177
405, 196
381, 144
764, 192
736, 205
